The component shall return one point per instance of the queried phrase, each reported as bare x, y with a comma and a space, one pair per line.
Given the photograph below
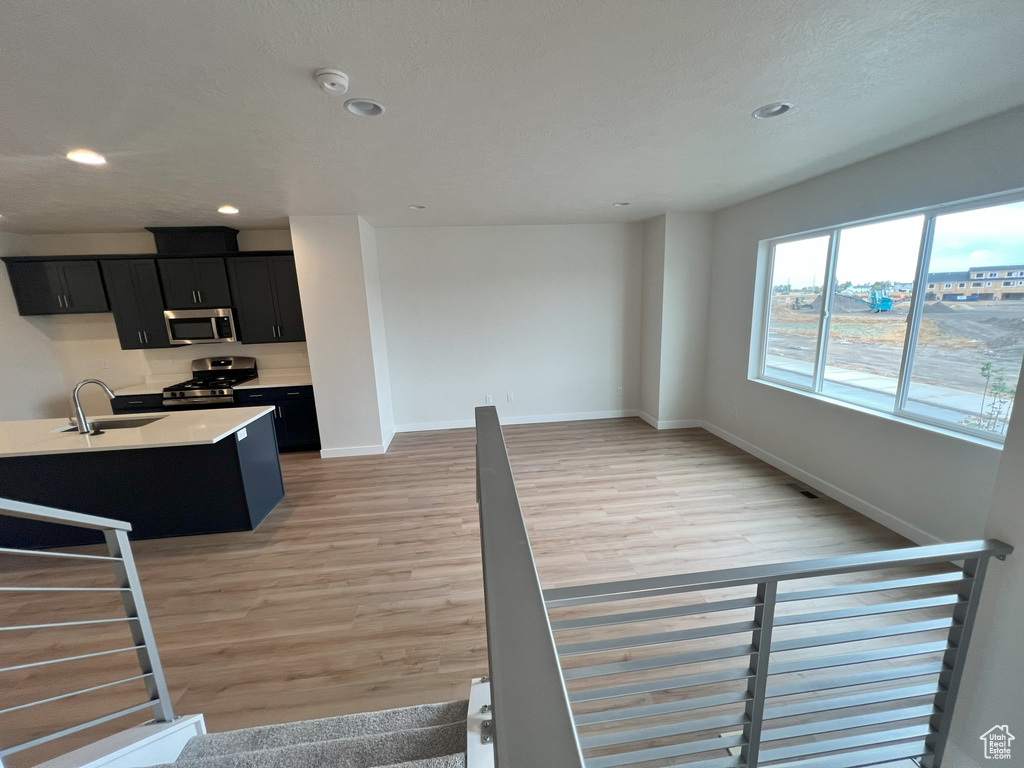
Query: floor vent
802, 491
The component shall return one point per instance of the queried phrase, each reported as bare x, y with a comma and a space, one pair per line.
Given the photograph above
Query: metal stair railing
838, 662
135, 617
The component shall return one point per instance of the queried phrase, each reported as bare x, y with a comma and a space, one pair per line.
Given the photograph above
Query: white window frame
899, 411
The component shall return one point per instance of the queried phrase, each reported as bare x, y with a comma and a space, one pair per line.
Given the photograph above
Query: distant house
1004, 282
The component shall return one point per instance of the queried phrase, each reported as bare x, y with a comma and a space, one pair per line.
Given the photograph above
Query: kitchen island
168, 474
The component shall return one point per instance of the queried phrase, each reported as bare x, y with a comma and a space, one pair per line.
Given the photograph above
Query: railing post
142, 630
764, 618
953, 661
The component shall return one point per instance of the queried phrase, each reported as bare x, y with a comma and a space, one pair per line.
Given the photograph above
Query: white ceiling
523, 111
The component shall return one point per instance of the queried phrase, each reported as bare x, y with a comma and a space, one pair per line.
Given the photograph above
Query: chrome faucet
83, 424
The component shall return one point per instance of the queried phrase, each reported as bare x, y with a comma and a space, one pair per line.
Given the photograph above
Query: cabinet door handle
293, 393
279, 414
135, 402
140, 336
200, 296
255, 395
145, 335
273, 331
194, 298
60, 301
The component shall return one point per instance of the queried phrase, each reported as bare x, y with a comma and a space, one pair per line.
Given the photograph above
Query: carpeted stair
428, 736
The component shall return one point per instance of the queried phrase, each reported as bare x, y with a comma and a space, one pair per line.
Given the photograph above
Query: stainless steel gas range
212, 384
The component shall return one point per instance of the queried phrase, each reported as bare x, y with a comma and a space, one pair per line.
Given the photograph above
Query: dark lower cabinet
230, 485
53, 287
136, 302
294, 415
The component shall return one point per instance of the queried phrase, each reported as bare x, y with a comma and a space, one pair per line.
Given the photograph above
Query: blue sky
888, 250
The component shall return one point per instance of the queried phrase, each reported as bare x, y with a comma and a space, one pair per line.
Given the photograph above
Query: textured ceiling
530, 111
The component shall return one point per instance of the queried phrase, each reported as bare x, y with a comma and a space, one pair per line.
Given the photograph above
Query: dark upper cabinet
194, 283
137, 303
286, 298
50, 287
266, 292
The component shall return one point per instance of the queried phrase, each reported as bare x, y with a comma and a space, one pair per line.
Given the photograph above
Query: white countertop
285, 377
281, 377
176, 428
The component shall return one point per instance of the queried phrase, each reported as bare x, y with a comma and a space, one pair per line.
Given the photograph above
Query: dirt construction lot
955, 339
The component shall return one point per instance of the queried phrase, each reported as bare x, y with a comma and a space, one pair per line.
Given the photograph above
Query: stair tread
436, 746
357, 725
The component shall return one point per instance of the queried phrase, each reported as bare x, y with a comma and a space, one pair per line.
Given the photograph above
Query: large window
844, 319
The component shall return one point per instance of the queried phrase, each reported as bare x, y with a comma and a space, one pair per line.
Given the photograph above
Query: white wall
86, 346
335, 257
31, 385
550, 314
679, 289
925, 485
378, 338
651, 318
992, 692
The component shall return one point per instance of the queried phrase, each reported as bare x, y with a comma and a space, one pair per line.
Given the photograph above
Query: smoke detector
332, 81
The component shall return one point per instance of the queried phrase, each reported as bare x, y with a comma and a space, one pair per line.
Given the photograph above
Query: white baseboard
143, 745
388, 439
676, 424
648, 418
355, 450
879, 515
431, 426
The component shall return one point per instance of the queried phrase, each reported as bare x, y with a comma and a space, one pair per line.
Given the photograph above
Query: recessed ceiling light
418, 207
364, 107
772, 110
86, 157
619, 205
227, 209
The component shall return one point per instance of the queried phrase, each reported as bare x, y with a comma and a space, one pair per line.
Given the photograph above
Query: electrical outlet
488, 400
510, 398
619, 392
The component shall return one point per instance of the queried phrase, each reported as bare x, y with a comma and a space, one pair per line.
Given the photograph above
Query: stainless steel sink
105, 424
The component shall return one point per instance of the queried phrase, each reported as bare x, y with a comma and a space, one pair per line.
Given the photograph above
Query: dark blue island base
230, 485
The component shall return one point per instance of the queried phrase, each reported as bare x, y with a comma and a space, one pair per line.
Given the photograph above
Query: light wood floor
362, 590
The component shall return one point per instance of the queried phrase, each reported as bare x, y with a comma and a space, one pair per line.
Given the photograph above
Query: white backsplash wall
86, 346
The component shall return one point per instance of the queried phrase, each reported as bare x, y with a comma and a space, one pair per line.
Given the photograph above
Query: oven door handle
184, 402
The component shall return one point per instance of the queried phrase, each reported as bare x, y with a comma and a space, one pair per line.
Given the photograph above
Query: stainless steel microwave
199, 326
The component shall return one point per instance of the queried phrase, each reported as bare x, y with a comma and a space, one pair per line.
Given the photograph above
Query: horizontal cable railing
837, 662
133, 617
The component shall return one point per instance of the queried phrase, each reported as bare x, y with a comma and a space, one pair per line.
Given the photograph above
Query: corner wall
676, 292
336, 260
925, 485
